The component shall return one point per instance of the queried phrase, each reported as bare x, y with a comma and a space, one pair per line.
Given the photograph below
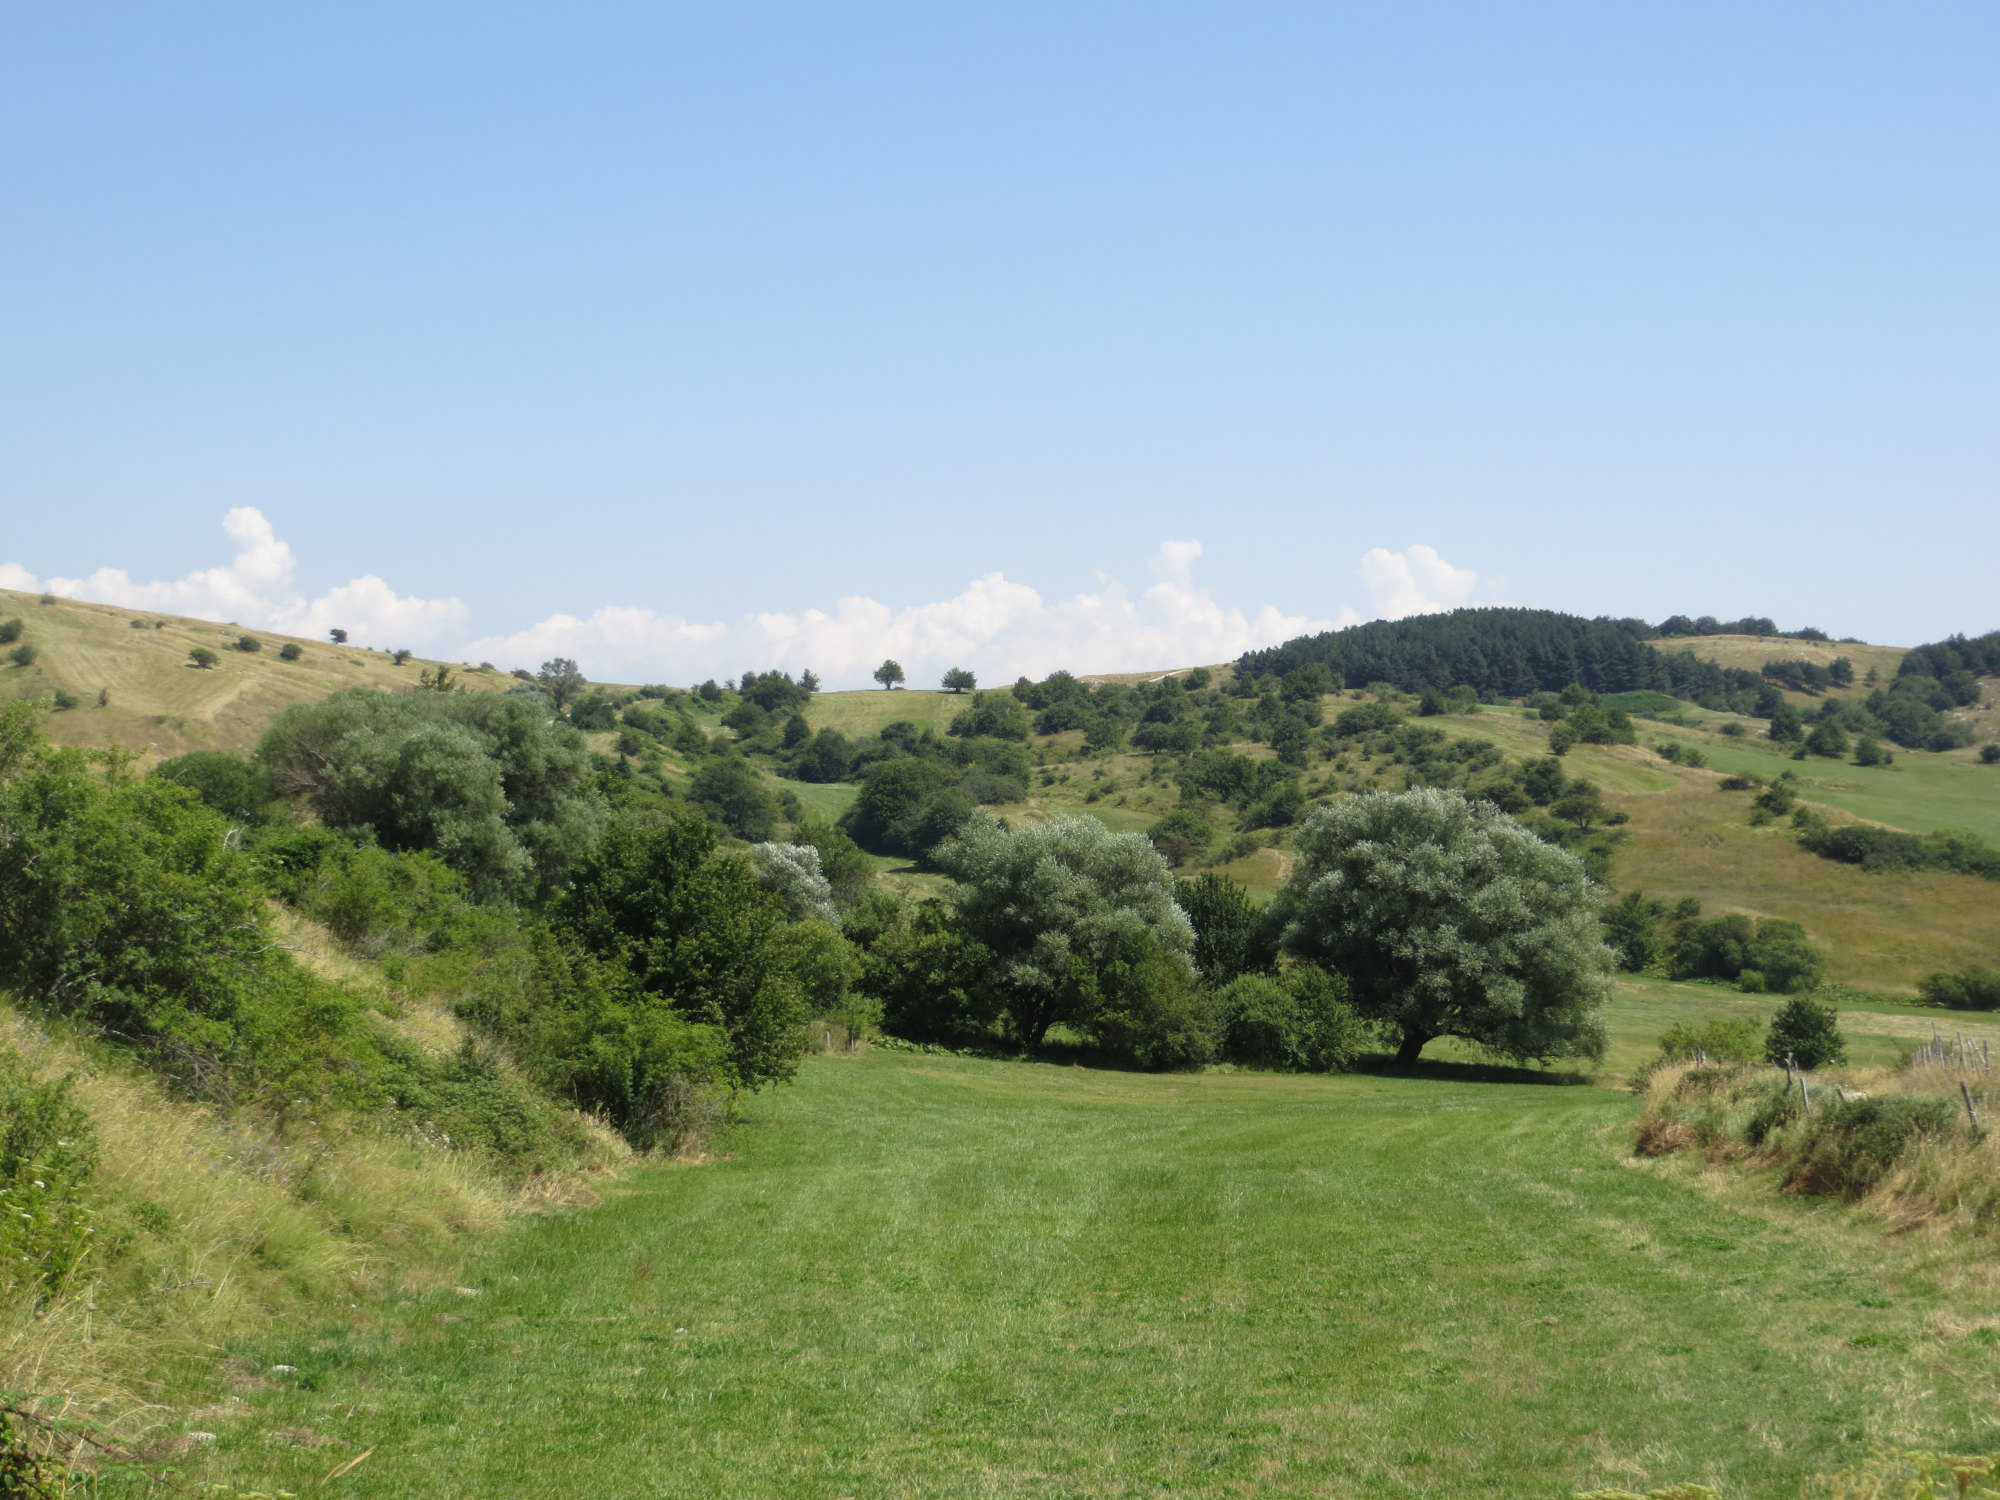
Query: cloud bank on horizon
996, 627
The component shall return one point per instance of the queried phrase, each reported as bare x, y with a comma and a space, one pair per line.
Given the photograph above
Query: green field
930, 1276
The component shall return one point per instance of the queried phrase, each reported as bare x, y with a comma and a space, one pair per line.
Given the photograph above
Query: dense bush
1852, 1145
1448, 918
732, 792
488, 782
1232, 936
1878, 849
681, 925
228, 784
1806, 1033
1975, 987
1726, 947
1296, 1021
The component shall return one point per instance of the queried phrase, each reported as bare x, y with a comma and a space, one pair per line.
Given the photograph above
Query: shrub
290, 651
24, 655
484, 781
248, 643
684, 926
992, 716
1732, 1039
228, 784
1805, 1032
1298, 1021
1182, 836
48, 1151
1851, 1146
203, 658
1989, 754
10, 631
1975, 987
63, 701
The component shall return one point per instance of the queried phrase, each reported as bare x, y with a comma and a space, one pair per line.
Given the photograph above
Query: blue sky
701, 313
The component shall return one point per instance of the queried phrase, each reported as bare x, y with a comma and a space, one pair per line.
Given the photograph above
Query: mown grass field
930, 1276
157, 703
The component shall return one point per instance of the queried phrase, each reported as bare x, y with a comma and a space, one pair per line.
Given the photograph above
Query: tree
203, 658
730, 790
290, 651
1080, 922
439, 681
1448, 918
400, 655
1805, 1032
958, 680
562, 680
229, 784
10, 631
1989, 754
889, 673
1227, 927
792, 872
337, 636
695, 934
248, 643
484, 780
1828, 739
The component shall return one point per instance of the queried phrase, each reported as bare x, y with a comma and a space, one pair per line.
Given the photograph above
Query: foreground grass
946, 1277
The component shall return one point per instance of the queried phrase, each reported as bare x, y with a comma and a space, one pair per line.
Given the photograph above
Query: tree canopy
1448, 918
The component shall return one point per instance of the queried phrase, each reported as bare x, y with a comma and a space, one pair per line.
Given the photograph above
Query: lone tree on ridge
1448, 918
563, 679
889, 673
959, 680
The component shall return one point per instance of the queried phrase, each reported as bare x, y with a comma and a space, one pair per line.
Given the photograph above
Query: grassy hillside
1752, 651
943, 1277
155, 701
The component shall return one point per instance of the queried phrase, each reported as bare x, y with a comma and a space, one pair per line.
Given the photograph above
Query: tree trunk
1413, 1043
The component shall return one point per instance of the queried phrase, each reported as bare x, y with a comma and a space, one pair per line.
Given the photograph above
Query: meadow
930, 1275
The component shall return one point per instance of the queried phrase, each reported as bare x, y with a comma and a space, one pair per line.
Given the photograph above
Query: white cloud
1415, 581
256, 590
996, 627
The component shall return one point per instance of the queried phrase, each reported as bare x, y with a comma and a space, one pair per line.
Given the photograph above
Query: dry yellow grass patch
1752, 651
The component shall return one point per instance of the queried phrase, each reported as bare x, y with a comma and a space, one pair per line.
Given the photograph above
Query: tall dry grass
212, 1227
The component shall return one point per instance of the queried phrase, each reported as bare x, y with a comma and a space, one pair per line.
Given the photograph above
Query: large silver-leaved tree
1079, 922
1448, 918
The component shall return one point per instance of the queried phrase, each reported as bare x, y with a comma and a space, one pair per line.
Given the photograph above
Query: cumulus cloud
1415, 581
256, 589
995, 626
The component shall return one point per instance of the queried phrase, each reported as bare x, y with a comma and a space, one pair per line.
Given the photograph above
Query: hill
136, 688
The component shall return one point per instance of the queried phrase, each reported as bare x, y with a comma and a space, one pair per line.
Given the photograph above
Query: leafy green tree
696, 934
1229, 928
1989, 754
1078, 920
959, 680
1632, 929
992, 715
483, 780
1787, 723
848, 871
337, 636
1182, 835
1447, 918
735, 794
248, 643
1828, 739
562, 679
1805, 1032
203, 658
797, 731
889, 673
827, 756
290, 651
10, 631
400, 655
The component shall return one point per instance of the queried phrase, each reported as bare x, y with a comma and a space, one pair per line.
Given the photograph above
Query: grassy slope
161, 705
941, 1277
1752, 651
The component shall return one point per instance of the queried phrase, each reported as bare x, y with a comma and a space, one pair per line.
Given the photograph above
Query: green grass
857, 714
916, 1276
